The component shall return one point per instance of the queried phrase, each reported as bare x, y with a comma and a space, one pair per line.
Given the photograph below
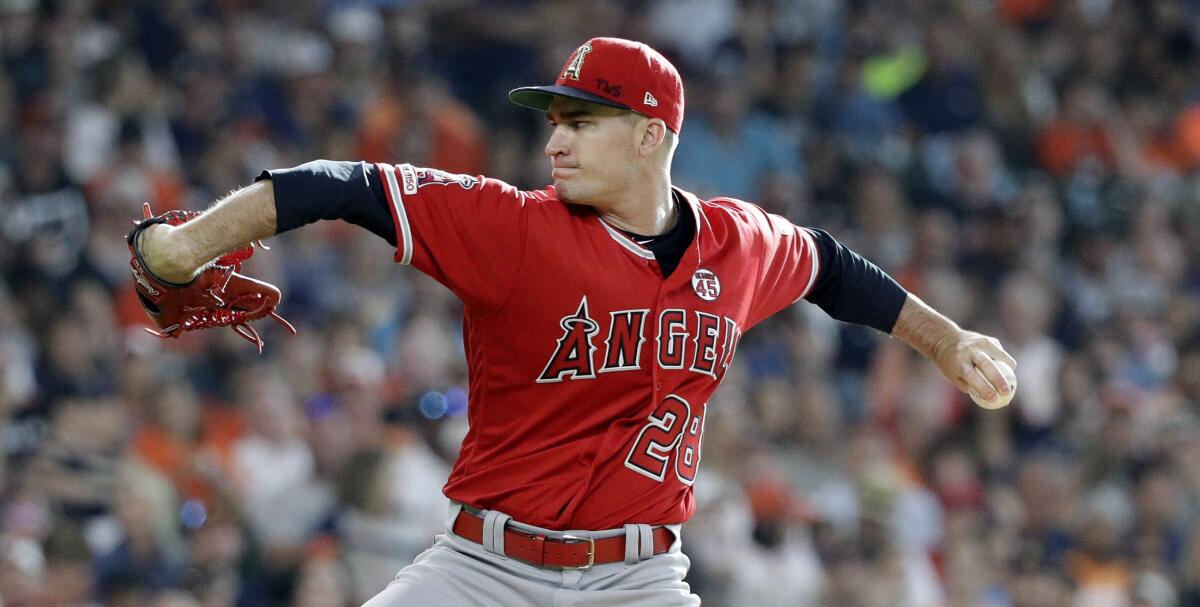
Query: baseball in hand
1001, 399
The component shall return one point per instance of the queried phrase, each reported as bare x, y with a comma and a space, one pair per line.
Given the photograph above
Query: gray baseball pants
457, 572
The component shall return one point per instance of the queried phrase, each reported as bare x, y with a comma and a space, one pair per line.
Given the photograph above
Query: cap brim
539, 97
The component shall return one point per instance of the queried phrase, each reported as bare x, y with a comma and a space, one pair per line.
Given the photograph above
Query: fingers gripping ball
219, 296
1002, 399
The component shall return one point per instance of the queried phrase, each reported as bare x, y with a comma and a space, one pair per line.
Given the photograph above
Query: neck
649, 213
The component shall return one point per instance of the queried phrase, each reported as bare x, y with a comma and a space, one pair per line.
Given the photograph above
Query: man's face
592, 151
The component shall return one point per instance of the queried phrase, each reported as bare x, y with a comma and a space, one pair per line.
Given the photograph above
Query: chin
570, 195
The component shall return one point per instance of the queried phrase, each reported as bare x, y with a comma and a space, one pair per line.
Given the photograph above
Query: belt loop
493, 531
646, 537
456, 508
631, 544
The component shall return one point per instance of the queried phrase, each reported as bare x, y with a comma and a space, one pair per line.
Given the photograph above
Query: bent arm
176, 253
279, 201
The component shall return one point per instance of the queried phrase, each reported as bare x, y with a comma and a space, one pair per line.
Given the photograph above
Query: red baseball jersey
589, 372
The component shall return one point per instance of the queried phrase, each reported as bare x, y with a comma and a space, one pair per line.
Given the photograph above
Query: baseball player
600, 314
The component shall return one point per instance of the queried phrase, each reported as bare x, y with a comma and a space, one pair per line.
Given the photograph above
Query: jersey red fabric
589, 373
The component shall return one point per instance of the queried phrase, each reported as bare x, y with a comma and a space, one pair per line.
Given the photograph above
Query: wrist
164, 255
945, 339
924, 329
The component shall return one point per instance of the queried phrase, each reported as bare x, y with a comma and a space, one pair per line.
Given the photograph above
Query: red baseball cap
617, 73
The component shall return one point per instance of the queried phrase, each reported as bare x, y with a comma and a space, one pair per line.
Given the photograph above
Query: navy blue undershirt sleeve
328, 189
852, 289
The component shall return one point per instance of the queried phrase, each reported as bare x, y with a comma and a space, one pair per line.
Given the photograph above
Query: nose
557, 145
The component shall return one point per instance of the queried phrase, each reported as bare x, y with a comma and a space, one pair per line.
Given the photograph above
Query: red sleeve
466, 232
788, 265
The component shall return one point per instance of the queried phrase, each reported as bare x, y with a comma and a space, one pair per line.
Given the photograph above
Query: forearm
971, 360
924, 329
280, 200
175, 253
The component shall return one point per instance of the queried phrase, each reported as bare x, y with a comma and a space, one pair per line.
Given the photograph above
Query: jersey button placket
656, 372
655, 380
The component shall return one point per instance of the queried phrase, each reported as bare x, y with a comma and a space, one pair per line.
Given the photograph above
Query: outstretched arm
852, 289
176, 253
964, 357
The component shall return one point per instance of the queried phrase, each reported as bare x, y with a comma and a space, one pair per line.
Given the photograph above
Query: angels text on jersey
693, 340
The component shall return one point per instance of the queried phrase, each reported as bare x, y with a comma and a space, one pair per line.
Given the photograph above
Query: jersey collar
690, 262
630, 244
693, 251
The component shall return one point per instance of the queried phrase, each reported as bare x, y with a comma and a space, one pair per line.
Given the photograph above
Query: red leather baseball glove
219, 296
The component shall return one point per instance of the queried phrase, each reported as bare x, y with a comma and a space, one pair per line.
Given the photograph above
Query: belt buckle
577, 539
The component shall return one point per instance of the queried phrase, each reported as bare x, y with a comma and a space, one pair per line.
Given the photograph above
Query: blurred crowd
1029, 167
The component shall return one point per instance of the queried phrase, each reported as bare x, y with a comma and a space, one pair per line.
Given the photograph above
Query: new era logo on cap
610, 70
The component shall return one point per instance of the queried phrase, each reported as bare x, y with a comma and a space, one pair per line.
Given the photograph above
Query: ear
654, 132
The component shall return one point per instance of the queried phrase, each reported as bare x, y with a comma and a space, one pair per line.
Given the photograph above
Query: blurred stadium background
1027, 166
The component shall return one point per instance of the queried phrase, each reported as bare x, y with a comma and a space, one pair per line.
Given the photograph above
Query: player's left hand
969, 360
218, 296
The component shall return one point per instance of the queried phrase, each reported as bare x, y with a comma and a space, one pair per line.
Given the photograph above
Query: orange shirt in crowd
1062, 145
455, 140
1024, 11
176, 457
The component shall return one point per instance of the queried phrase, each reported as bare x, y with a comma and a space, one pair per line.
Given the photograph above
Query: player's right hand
969, 360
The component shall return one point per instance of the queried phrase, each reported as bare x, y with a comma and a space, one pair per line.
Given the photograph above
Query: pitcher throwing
600, 315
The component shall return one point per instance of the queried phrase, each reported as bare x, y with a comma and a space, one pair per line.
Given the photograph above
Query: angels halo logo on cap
576, 63
618, 73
